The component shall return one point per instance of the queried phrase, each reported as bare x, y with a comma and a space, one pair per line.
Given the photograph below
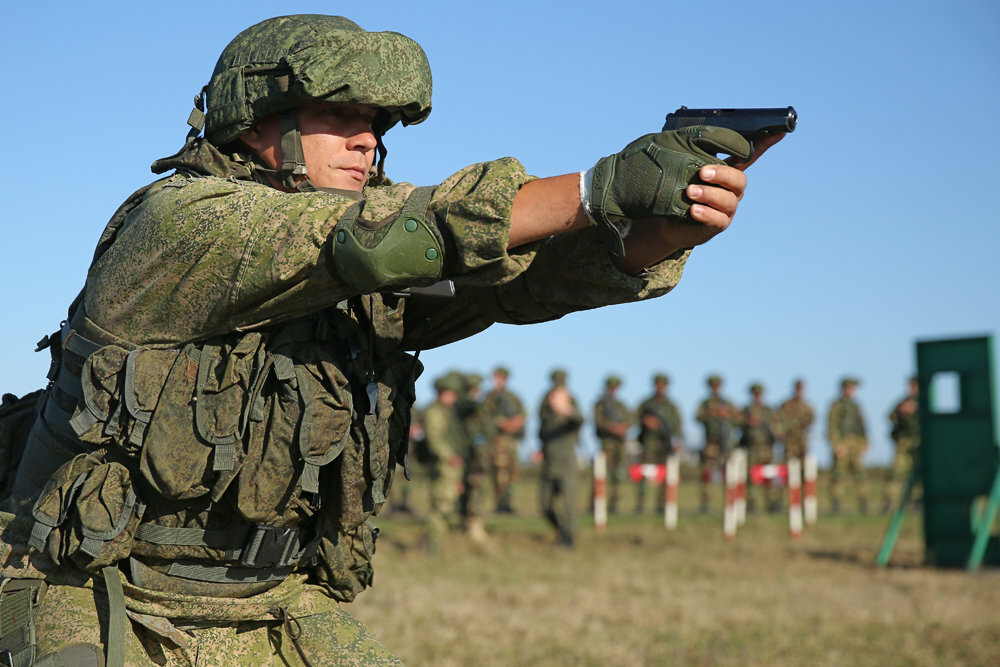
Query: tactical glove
649, 176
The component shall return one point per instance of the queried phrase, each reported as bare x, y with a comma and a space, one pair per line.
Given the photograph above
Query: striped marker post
670, 486
731, 482
794, 498
600, 492
740, 503
809, 502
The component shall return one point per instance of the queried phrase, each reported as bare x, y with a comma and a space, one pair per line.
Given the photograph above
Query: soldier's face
337, 140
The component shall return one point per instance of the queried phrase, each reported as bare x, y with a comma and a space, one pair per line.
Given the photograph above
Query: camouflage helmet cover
290, 61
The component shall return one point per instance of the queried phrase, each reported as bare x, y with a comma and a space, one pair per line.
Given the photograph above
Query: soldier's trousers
902, 466
71, 625
849, 475
503, 467
558, 498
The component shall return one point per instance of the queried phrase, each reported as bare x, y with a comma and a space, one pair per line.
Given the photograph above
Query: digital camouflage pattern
259, 401
718, 418
612, 419
849, 442
757, 436
289, 61
506, 414
795, 417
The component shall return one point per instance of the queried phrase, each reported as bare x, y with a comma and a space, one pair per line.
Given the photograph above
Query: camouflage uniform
795, 417
232, 389
905, 421
846, 432
658, 443
756, 423
506, 415
473, 500
560, 434
611, 421
447, 443
717, 416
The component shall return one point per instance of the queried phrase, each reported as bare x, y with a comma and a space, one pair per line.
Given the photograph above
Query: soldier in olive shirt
849, 443
506, 416
660, 433
717, 415
611, 423
757, 436
905, 421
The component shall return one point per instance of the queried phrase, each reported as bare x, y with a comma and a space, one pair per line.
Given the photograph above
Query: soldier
446, 441
231, 388
477, 431
506, 416
661, 432
717, 416
848, 442
611, 424
756, 423
905, 433
795, 417
560, 433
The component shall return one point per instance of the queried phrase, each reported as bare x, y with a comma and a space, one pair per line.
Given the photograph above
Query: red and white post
671, 483
731, 481
600, 492
809, 502
794, 498
742, 468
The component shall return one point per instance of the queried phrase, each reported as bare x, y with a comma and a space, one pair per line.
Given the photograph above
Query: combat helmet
287, 62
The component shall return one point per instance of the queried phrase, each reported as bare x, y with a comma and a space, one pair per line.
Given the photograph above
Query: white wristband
586, 178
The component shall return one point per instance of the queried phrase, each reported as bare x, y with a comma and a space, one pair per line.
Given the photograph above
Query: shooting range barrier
958, 462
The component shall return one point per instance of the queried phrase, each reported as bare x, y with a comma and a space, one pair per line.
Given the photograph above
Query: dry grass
639, 595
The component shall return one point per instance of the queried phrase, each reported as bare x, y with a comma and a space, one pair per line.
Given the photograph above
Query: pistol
751, 123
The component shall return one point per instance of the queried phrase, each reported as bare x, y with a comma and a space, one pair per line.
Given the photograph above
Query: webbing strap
117, 620
77, 344
220, 574
417, 203
232, 539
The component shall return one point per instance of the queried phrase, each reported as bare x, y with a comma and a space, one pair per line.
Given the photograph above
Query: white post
729, 521
809, 503
670, 486
794, 498
600, 492
740, 502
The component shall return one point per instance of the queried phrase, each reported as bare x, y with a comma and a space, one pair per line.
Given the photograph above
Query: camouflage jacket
718, 416
795, 416
844, 420
610, 411
671, 426
500, 405
244, 407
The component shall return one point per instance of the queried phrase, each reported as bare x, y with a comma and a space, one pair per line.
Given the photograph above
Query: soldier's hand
667, 175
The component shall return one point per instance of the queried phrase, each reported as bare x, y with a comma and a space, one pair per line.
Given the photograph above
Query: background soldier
716, 415
905, 421
475, 457
611, 423
660, 427
795, 417
560, 433
506, 415
848, 442
446, 440
757, 436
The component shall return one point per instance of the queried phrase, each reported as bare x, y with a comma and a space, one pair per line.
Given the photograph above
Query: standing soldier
757, 437
560, 433
611, 422
905, 420
716, 415
659, 427
446, 440
506, 416
846, 432
795, 417
470, 411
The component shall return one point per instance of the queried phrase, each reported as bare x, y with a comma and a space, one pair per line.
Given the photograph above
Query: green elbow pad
406, 251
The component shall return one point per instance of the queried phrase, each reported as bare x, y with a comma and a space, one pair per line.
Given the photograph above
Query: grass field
640, 595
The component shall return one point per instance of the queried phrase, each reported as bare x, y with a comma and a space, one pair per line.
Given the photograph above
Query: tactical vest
220, 467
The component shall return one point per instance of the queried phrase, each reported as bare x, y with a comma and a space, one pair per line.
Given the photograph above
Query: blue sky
872, 226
